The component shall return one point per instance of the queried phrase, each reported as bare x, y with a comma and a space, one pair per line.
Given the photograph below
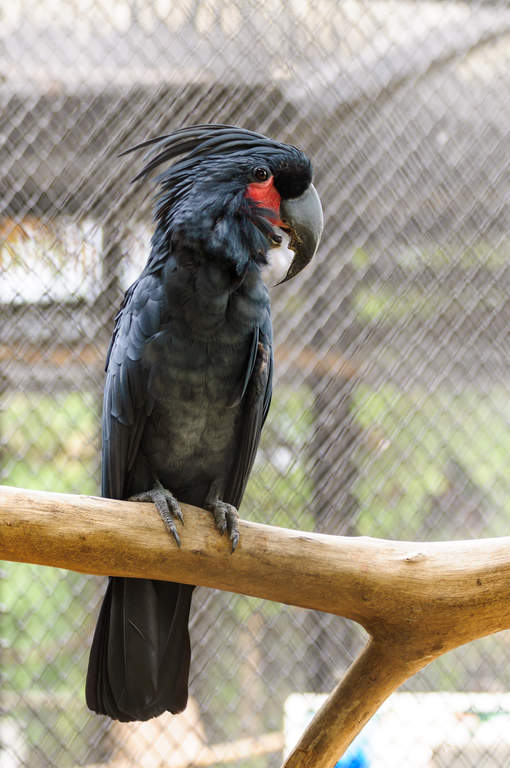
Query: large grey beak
303, 217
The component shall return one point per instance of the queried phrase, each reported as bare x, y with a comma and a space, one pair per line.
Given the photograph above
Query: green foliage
422, 449
51, 442
421, 285
280, 475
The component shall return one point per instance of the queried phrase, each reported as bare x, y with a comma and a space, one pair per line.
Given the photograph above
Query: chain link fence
391, 414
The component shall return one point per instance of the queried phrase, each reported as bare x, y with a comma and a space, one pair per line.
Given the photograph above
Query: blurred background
391, 413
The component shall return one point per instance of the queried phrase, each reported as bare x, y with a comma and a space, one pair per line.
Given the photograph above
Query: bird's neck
209, 293
213, 305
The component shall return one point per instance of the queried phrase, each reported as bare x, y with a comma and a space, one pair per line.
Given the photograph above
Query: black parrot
188, 382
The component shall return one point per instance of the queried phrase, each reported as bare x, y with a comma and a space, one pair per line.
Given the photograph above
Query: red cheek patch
267, 196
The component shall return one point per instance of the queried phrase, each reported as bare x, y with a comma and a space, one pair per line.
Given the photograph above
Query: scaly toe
173, 506
220, 517
167, 505
233, 526
226, 518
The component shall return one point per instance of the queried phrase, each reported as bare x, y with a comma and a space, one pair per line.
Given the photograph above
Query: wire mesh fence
391, 414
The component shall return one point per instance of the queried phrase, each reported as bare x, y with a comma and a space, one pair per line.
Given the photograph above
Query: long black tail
140, 655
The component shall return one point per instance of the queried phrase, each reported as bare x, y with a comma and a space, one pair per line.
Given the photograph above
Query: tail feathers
140, 655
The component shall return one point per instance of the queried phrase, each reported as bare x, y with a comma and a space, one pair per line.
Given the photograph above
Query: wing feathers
255, 408
127, 403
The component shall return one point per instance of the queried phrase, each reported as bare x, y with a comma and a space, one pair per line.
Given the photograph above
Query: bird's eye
261, 173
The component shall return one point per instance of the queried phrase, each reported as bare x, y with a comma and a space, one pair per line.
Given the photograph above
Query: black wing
256, 404
127, 403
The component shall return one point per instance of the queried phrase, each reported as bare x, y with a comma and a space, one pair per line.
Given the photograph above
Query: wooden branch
416, 600
375, 674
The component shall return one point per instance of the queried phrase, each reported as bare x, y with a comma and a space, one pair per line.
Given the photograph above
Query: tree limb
416, 600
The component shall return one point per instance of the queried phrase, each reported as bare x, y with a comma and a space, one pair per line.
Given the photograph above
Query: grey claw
234, 537
167, 506
221, 526
166, 516
173, 506
233, 527
226, 518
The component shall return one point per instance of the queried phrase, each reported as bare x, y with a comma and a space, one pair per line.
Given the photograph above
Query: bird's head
230, 193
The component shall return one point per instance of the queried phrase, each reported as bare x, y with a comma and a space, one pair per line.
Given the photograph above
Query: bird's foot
226, 518
167, 506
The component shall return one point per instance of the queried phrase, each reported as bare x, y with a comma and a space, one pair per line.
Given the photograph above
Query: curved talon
167, 506
234, 537
226, 517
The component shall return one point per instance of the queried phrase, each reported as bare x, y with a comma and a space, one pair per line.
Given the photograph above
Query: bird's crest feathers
199, 141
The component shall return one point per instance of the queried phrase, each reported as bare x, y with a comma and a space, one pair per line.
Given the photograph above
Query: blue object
355, 757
